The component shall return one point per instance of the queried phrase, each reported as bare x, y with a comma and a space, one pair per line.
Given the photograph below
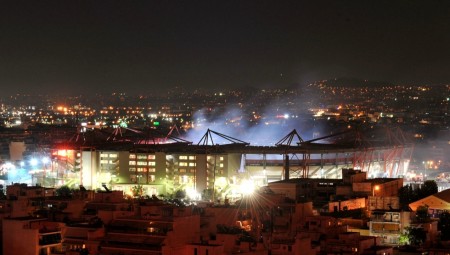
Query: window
132, 156
184, 179
221, 158
191, 157
152, 169
132, 163
183, 157
183, 163
151, 157
141, 157
113, 155
192, 164
142, 163
151, 163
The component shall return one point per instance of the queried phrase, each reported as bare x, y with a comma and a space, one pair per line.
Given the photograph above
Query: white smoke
275, 123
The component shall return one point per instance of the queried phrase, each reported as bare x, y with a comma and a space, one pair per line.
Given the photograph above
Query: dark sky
143, 46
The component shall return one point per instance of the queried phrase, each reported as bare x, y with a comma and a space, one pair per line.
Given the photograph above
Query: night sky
142, 46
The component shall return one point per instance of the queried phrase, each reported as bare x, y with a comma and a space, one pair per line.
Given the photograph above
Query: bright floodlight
192, 194
45, 160
247, 187
33, 162
9, 166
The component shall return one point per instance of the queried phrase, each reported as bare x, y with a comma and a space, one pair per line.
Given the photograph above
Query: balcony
391, 228
50, 239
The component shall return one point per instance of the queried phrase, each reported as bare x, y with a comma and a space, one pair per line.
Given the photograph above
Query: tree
207, 194
428, 188
406, 196
137, 190
404, 238
415, 235
64, 191
180, 194
444, 226
422, 214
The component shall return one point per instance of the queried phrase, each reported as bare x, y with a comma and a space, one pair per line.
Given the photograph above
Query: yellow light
192, 194
247, 187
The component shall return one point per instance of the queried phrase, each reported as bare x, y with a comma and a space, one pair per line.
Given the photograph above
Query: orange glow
61, 108
60, 153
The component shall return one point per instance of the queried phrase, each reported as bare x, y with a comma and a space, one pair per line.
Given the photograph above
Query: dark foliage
408, 195
444, 226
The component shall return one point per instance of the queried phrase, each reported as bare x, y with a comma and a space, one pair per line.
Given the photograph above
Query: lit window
192, 164
191, 157
132, 156
183, 157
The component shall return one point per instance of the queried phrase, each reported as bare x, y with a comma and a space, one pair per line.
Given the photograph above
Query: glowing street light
375, 188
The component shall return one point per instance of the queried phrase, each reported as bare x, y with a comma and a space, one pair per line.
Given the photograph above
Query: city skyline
140, 47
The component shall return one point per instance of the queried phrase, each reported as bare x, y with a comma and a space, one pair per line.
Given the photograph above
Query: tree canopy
407, 194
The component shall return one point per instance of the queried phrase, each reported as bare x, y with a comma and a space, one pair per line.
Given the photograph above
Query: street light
375, 188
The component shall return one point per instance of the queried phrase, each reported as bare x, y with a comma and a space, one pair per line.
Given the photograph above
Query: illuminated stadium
145, 162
